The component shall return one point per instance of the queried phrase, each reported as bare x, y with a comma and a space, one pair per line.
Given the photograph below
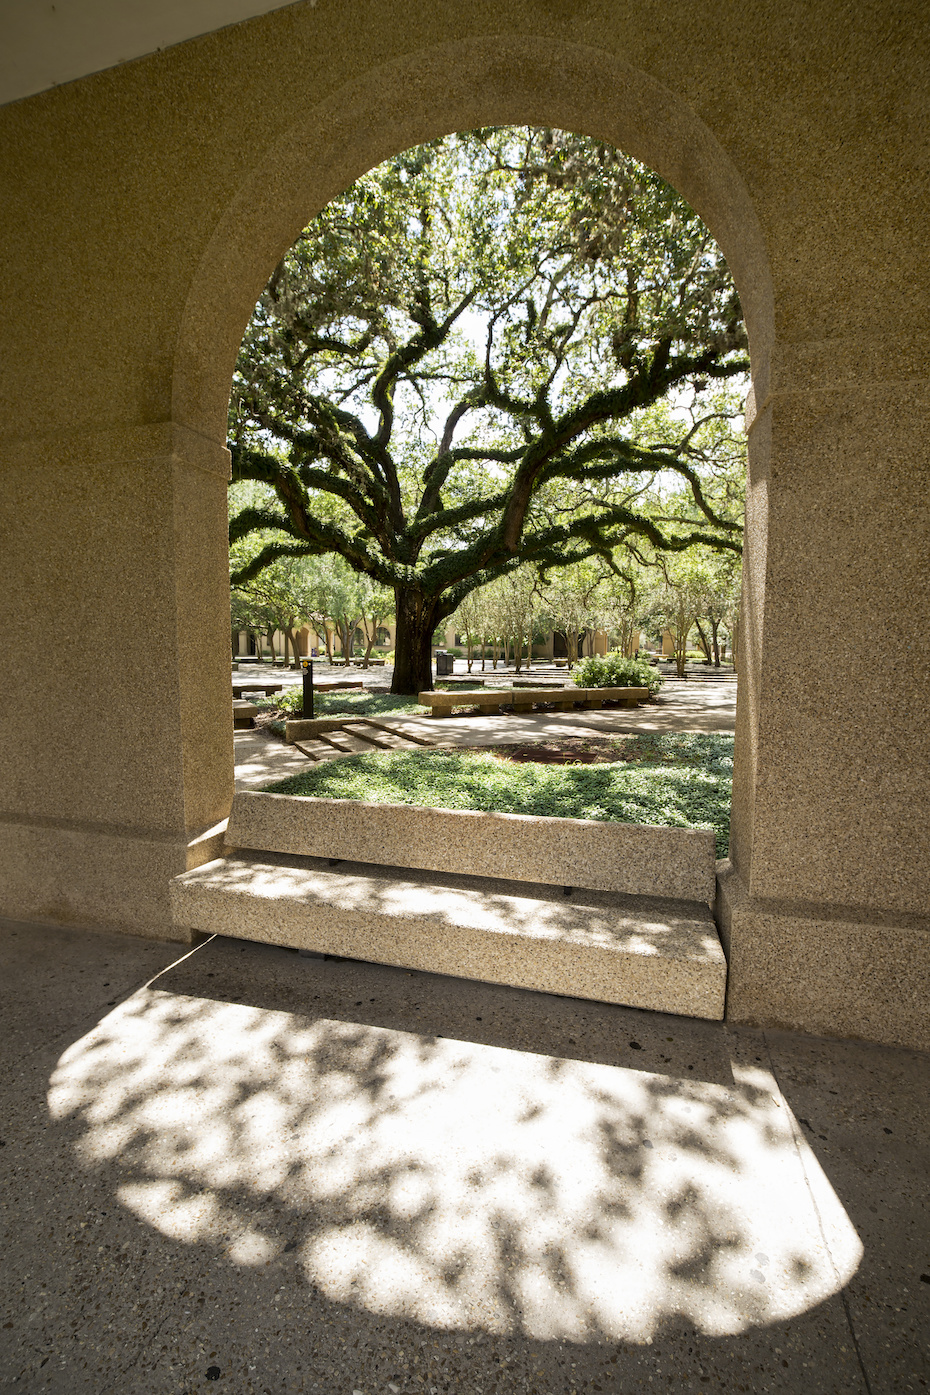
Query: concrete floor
242, 1169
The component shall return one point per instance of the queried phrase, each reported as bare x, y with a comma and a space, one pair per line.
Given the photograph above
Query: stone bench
249, 685
523, 699
614, 912
244, 714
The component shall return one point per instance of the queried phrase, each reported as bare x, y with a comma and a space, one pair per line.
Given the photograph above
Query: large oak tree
456, 369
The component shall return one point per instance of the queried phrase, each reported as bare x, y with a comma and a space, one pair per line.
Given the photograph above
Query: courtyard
238, 1167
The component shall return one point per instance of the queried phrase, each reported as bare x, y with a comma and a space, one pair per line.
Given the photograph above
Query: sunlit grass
677, 780
346, 704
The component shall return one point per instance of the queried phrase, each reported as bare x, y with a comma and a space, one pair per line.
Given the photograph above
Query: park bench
614, 912
244, 714
489, 700
255, 685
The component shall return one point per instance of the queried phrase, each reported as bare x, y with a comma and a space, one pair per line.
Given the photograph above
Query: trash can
444, 663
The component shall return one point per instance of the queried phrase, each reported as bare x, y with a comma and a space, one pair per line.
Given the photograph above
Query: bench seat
244, 714
523, 699
619, 913
656, 954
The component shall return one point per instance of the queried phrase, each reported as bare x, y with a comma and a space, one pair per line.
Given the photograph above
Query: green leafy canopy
465, 362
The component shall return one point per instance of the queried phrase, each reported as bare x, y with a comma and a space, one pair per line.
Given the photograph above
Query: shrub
615, 670
291, 700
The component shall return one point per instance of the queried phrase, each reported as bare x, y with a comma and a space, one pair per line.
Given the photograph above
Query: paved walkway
699, 706
241, 1169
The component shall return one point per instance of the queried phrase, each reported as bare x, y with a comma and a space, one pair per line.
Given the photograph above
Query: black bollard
307, 666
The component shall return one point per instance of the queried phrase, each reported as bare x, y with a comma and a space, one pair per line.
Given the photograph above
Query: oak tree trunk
417, 617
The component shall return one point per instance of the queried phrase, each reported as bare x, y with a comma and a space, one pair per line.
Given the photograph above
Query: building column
825, 900
120, 766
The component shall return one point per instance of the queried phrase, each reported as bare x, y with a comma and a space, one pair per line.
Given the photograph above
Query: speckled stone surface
630, 858
791, 132
247, 1171
647, 953
854, 975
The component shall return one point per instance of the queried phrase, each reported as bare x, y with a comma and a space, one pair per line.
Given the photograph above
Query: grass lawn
673, 779
347, 704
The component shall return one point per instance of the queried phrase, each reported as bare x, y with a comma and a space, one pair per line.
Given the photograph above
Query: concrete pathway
700, 706
242, 1169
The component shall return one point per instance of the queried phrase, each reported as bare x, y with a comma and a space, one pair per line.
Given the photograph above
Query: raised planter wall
635, 859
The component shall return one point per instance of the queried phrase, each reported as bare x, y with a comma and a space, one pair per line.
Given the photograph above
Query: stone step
369, 736
372, 739
383, 739
345, 741
316, 750
409, 731
642, 952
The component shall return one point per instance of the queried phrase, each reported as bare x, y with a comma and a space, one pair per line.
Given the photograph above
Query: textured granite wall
148, 204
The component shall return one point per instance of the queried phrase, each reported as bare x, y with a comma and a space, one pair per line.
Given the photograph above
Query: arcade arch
152, 202
457, 87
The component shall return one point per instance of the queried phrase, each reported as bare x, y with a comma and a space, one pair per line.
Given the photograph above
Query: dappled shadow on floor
455, 1181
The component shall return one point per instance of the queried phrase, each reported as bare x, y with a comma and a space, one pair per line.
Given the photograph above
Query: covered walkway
245, 1166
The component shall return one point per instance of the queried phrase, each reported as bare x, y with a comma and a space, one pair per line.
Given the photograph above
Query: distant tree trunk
291, 639
704, 641
680, 636
715, 639
417, 617
346, 625
370, 636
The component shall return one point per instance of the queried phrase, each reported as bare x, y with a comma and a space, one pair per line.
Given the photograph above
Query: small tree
570, 598
469, 622
680, 599
619, 601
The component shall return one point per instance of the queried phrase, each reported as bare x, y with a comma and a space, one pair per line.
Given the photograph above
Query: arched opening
462, 86
457, 87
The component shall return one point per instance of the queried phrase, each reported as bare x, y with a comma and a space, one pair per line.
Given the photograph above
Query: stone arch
502, 80
489, 81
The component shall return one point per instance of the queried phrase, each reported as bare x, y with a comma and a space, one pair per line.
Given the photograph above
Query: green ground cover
347, 704
672, 779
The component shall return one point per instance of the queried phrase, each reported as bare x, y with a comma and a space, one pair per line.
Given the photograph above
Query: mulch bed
566, 750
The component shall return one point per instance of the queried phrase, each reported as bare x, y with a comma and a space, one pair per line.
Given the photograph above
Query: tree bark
705, 645
417, 617
290, 641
